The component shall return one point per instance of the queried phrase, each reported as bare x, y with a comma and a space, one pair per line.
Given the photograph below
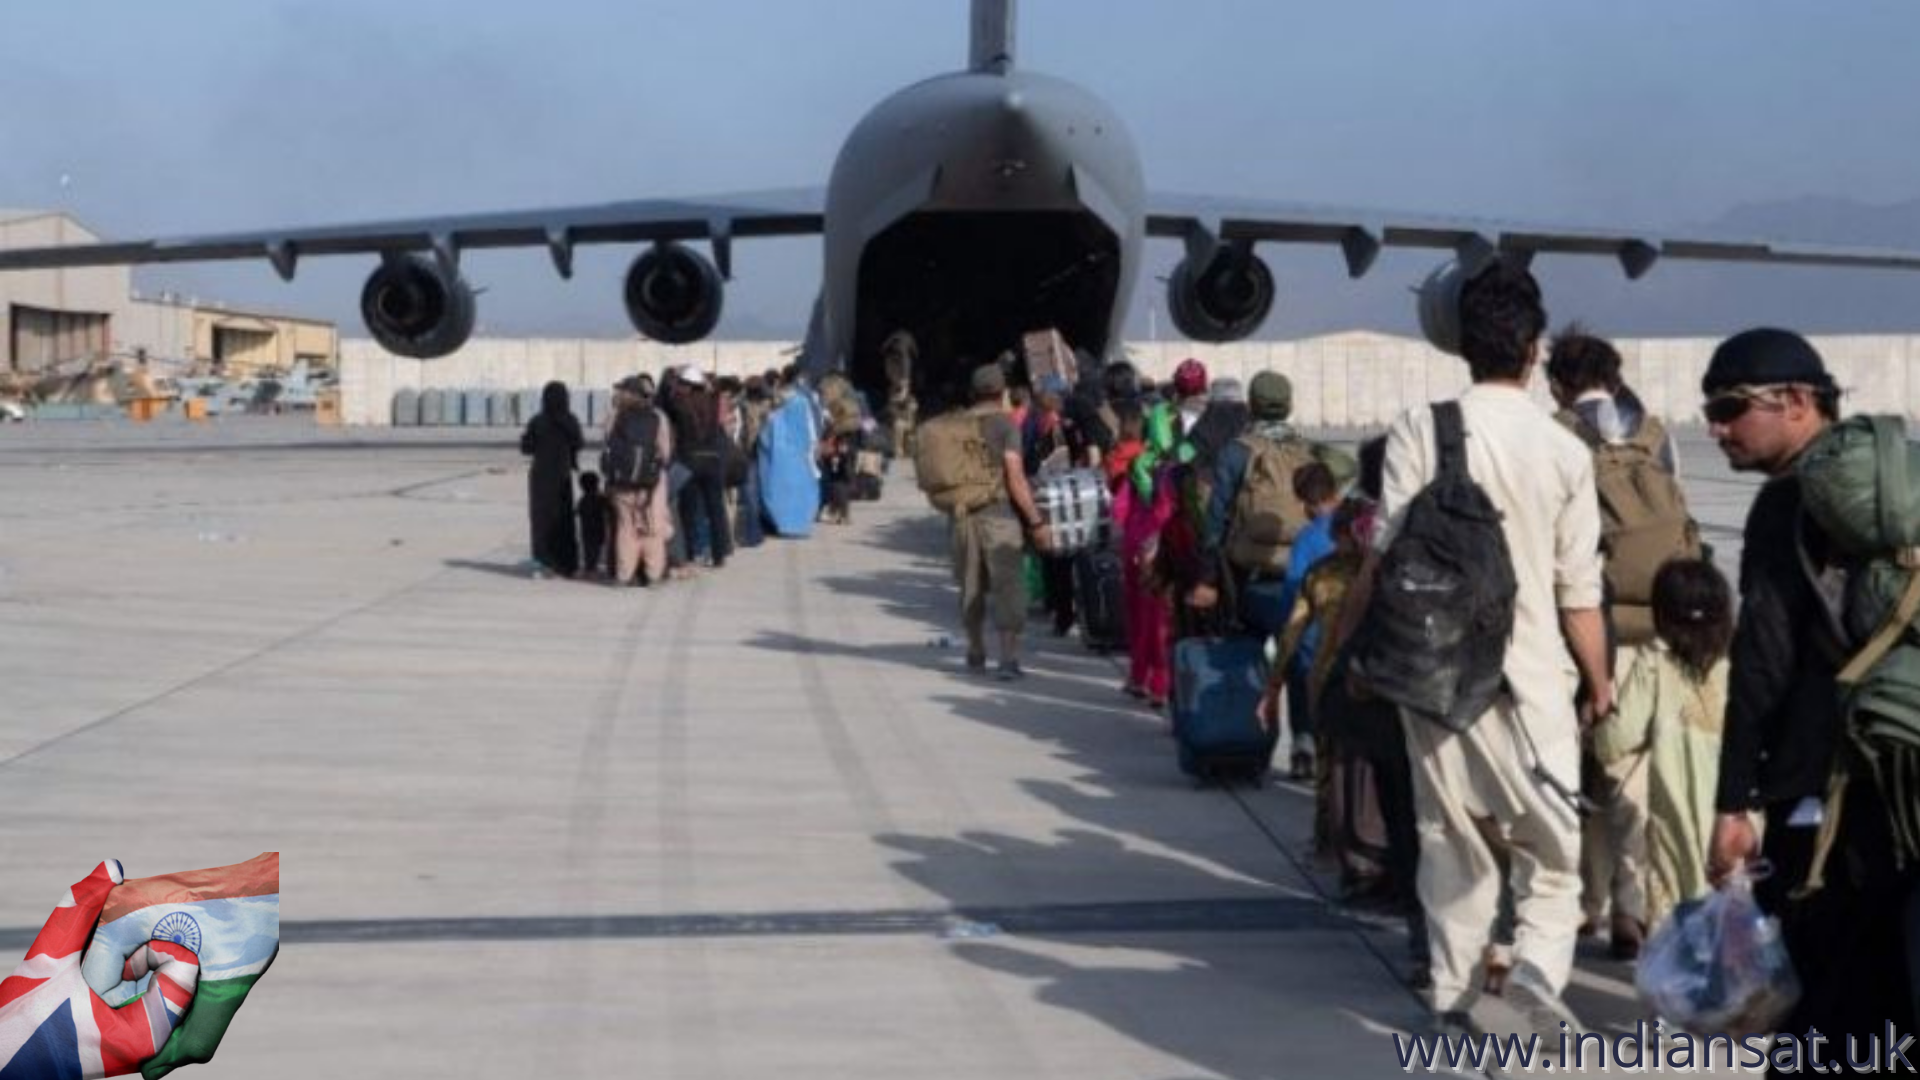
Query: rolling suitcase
1099, 600
1264, 606
1217, 684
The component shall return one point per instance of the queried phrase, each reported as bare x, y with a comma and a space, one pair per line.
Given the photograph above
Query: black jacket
1782, 713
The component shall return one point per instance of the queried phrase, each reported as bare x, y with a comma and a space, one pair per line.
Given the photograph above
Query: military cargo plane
965, 209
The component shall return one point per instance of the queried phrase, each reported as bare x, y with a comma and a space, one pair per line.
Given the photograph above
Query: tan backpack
1644, 520
843, 407
955, 466
1267, 515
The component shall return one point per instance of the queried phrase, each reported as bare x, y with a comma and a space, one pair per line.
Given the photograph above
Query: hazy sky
201, 115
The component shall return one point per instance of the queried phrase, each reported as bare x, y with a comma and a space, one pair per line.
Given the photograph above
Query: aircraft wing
1206, 222
720, 219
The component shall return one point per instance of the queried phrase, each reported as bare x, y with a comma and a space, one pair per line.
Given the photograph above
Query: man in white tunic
1511, 778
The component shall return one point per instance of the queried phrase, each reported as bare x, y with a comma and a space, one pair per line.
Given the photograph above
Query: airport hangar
57, 320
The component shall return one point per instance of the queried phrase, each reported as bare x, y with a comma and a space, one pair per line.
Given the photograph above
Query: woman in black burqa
553, 440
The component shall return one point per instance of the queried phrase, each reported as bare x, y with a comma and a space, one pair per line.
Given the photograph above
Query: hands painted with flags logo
53, 1024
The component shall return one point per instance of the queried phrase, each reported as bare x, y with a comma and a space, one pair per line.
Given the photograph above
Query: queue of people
694, 467
1581, 736
1526, 701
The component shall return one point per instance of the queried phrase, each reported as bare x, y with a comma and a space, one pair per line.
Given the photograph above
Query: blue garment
790, 485
1314, 543
1229, 468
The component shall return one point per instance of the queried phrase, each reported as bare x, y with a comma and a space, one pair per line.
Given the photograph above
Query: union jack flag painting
54, 1027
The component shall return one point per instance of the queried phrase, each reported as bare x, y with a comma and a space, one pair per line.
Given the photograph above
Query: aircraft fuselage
972, 208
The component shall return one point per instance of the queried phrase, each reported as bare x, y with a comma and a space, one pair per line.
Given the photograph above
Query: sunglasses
1732, 405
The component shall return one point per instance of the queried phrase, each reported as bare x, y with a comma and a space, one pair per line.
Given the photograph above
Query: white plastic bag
1718, 966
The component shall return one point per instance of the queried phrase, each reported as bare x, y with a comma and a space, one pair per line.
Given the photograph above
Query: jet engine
1225, 300
1439, 306
673, 295
413, 307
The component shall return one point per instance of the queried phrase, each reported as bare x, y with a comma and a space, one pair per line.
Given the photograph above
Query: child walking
1672, 706
592, 511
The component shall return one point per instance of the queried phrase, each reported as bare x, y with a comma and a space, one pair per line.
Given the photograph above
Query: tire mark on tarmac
1104, 921
406, 491
1325, 901
981, 1010
936, 780
687, 971
690, 1008
618, 691
583, 986
1354, 927
276, 645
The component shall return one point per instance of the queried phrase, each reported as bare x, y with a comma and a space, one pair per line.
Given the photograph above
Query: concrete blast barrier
473, 407
406, 408
501, 410
433, 407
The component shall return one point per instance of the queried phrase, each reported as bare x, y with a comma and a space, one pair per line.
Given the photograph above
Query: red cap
1190, 378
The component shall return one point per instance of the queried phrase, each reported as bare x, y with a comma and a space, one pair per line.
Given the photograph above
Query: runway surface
761, 823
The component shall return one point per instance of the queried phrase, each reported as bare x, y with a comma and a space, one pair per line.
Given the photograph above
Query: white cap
693, 376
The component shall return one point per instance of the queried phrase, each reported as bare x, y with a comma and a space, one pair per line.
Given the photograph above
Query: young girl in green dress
1671, 709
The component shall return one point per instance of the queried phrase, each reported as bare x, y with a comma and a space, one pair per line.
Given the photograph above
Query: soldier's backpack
1434, 638
842, 405
631, 460
1860, 483
955, 465
1644, 520
1267, 515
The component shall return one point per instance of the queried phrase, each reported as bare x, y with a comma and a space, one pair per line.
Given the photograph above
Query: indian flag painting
170, 962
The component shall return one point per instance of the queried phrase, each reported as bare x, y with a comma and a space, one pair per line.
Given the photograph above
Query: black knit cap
1765, 357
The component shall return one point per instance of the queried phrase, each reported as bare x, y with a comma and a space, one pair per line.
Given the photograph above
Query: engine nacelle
673, 295
415, 308
1439, 306
1224, 301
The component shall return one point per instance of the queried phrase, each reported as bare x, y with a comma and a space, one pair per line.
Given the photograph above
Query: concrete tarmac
760, 823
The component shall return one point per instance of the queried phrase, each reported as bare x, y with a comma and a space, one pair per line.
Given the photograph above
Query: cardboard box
1048, 353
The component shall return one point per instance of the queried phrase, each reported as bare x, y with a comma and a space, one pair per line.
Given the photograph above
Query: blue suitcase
1264, 606
1217, 683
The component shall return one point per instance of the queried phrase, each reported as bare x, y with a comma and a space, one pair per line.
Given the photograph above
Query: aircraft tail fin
992, 48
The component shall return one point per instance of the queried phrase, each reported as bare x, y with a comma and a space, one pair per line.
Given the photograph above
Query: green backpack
1860, 483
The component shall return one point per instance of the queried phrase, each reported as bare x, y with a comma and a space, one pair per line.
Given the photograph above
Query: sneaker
1455, 1024
976, 662
1543, 1010
1009, 671
1133, 691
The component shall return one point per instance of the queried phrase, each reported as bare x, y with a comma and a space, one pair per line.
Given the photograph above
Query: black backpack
1435, 636
632, 457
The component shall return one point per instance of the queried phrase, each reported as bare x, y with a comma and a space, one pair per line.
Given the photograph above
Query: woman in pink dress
1142, 505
